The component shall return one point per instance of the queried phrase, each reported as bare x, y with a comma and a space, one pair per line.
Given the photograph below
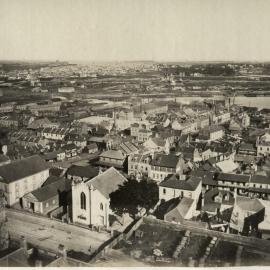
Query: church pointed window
83, 201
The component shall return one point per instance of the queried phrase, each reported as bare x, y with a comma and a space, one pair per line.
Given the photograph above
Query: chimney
23, 243
202, 199
62, 251
235, 193
182, 177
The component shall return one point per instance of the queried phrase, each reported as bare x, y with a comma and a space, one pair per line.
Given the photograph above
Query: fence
104, 248
56, 213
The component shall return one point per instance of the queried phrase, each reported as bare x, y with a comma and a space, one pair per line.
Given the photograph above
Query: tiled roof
83, 171
259, 190
54, 171
128, 148
206, 176
107, 182
233, 177
181, 210
227, 165
114, 154
51, 179
260, 179
168, 161
22, 168
48, 191
247, 147
247, 204
158, 141
173, 182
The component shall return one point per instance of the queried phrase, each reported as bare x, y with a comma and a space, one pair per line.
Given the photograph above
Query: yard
159, 245
155, 244
149, 238
252, 258
223, 254
195, 248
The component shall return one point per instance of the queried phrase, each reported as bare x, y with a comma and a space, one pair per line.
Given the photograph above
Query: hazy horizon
183, 31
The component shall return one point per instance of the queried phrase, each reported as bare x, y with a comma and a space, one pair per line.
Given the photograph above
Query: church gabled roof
107, 182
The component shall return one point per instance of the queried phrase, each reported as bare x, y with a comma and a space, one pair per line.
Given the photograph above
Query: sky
129, 30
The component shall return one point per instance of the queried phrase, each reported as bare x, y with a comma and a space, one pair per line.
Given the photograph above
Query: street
48, 234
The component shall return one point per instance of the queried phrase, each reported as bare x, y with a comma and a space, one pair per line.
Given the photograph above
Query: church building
91, 198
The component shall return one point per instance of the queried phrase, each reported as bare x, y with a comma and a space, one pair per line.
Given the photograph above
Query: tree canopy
133, 194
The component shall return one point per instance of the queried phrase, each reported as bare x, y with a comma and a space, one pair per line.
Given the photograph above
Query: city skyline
106, 31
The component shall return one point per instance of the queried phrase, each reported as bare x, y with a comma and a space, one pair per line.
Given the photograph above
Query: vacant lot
152, 237
251, 258
224, 253
154, 244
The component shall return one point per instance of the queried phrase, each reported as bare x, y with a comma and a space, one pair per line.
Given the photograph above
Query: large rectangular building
23, 176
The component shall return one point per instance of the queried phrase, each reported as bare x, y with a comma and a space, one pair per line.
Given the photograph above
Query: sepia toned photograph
134, 133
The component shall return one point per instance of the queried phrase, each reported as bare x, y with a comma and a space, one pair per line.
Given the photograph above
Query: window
164, 190
47, 205
101, 206
83, 201
53, 201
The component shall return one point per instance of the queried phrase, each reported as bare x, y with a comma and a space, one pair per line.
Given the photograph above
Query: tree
133, 194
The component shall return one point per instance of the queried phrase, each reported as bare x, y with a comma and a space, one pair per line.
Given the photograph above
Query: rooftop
173, 182
107, 182
182, 208
233, 177
46, 192
168, 161
22, 168
247, 204
114, 154
83, 171
260, 179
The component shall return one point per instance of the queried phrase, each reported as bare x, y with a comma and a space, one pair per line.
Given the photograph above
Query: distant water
259, 102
